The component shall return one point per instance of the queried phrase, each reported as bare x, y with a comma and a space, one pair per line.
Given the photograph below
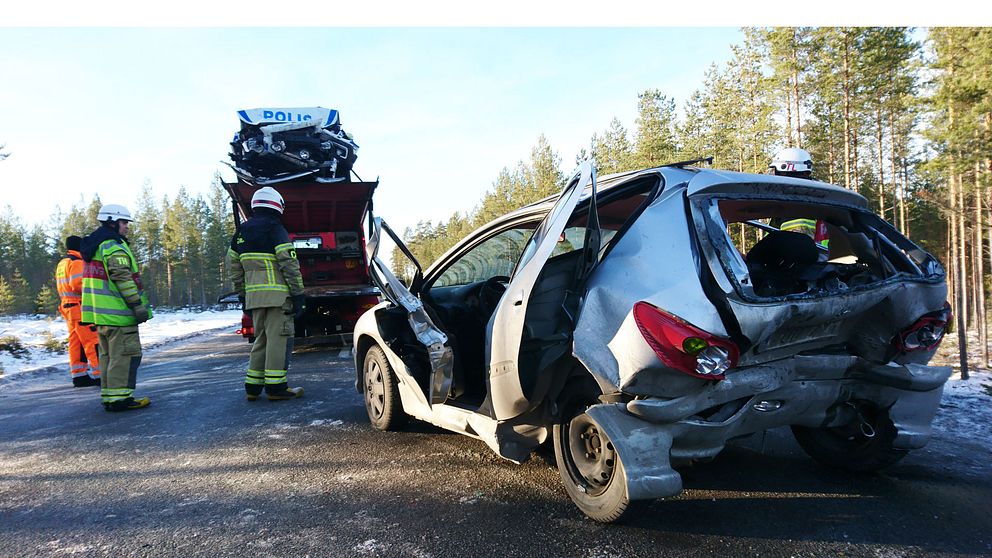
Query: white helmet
792, 162
113, 212
268, 197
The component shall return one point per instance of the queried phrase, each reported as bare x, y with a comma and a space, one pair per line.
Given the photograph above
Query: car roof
707, 181
700, 181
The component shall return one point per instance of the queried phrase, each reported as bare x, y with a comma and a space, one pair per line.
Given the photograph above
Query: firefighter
793, 162
266, 274
84, 366
113, 300
798, 163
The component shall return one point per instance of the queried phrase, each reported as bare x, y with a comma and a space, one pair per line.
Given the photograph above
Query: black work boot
252, 391
85, 381
285, 393
127, 404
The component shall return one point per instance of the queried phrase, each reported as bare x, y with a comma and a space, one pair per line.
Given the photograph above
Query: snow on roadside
967, 407
165, 326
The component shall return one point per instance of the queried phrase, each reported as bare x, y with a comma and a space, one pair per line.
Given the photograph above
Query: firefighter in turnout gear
266, 274
84, 365
113, 300
798, 163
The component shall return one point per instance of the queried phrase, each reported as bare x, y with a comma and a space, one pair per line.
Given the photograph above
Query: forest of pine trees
907, 123
180, 243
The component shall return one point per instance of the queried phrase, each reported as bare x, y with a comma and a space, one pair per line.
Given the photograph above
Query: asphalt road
203, 472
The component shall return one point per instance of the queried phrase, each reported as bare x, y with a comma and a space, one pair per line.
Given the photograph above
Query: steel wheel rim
375, 390
590, 455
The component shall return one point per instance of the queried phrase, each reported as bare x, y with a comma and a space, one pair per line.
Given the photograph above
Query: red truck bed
324, 221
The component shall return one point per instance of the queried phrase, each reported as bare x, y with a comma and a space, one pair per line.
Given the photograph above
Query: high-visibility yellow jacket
805, 226
111, 282
262, 263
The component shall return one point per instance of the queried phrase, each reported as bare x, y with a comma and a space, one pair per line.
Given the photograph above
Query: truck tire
381, 390
589, 466
850, 447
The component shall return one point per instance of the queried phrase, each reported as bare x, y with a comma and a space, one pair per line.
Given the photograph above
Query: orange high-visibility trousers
83, 344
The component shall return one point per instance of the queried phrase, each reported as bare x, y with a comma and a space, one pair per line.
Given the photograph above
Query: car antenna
681, 164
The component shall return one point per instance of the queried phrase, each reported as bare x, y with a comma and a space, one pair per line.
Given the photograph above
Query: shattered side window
494, 257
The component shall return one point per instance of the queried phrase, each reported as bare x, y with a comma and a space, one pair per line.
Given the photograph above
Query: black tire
848, 447
381, 390
590, 469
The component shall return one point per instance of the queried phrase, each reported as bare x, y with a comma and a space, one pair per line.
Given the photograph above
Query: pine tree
6, 297
21, 291
218, 233
613, 151
146, 243
787, 50
654, 142
544, 171
47, 301
693, 130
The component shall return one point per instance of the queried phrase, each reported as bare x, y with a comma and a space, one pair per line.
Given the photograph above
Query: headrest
784, 250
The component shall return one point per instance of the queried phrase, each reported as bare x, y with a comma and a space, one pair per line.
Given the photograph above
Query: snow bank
970, 401
34, 331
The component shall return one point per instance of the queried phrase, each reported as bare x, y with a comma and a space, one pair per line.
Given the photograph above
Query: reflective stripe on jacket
805, 226
112, 286
69, 278
262, 263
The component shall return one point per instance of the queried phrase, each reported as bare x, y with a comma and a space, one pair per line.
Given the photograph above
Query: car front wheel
591, 469
382, 394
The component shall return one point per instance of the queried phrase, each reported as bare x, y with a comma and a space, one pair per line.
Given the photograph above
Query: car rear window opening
779, 248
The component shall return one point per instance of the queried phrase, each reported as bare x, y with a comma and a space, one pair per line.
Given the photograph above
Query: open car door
434, 340
505, 330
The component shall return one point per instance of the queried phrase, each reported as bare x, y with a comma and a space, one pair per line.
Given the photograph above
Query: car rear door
504, 332
433, 339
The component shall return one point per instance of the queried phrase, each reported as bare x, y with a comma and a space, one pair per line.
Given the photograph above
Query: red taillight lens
683, 346
926, 333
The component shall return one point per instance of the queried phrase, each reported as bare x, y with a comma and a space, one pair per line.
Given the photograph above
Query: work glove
299, 306
141, 313
241, 299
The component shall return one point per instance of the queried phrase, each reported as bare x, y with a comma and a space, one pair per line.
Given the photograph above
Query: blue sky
437, 111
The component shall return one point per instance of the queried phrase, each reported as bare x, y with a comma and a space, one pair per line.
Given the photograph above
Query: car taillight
926, 333
683, 346
247, 327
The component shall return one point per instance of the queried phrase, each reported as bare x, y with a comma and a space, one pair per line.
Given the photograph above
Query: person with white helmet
798, 163
113, 299
793, 162
266, 274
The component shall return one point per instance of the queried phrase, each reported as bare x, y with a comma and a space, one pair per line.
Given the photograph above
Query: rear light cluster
926, 333
683, 346
247, 327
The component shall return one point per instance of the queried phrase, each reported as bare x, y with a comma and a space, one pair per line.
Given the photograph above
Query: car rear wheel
382, 394
591, 469
865, 444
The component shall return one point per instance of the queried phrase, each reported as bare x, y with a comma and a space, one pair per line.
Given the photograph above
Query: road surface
203, 472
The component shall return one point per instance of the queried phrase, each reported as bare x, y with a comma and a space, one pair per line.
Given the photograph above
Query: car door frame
439, 351
504, 332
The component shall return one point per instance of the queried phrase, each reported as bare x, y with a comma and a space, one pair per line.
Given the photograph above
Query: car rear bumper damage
650, 434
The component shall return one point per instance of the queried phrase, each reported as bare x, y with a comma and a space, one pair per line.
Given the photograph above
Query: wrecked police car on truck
619, 321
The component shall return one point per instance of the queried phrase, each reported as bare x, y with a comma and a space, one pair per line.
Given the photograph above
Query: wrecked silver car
620, 322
